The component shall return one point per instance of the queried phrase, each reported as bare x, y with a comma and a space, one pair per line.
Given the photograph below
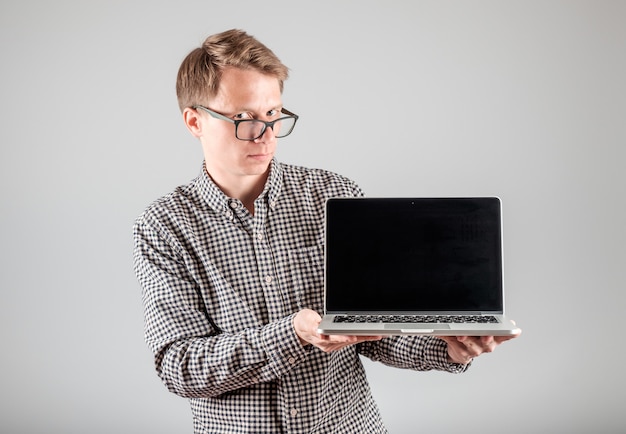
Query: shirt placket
289, 392
266, 264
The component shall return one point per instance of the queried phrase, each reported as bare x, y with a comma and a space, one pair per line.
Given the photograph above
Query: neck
244, 188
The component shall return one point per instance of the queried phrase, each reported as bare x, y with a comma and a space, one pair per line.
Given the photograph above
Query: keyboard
416, 319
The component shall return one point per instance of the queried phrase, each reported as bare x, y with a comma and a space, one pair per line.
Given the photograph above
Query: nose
267, 135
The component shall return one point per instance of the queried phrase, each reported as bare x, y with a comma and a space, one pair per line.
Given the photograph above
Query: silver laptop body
414, 266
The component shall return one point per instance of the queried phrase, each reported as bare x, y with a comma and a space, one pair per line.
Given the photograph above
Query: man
231, 268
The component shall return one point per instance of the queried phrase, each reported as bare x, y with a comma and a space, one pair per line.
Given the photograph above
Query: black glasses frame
270, 124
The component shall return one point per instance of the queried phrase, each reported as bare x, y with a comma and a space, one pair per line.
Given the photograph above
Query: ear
193, 122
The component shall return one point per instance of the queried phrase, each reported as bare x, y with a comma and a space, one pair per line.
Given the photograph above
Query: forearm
420, 353
211, 366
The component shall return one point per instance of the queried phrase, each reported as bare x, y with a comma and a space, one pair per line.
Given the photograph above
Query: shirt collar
217, 200
274, 184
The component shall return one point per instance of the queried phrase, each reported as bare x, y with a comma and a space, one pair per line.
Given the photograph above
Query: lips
260, 156
260, 153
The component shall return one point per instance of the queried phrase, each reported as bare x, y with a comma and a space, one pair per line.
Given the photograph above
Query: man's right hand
306, 323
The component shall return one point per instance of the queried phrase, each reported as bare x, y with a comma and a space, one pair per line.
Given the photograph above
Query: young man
231, 268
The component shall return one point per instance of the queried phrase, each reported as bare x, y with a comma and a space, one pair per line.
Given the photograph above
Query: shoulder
332, 183
172, 207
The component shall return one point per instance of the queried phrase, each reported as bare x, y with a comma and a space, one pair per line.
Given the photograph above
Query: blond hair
199, 74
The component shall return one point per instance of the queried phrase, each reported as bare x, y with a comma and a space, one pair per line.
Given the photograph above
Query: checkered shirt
220, 289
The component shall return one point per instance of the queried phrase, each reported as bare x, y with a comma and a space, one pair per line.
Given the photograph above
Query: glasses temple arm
287, 112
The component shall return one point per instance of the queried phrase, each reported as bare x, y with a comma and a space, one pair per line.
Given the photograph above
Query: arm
420, 353
192, 356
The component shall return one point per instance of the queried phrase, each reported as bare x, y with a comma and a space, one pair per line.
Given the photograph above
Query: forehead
247, 89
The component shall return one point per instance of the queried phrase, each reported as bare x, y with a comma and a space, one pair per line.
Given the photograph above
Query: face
243, 94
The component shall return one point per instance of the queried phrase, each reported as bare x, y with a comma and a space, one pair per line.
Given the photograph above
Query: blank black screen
413, 254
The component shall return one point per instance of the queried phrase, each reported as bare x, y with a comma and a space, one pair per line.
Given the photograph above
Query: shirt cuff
282, 346
439, 348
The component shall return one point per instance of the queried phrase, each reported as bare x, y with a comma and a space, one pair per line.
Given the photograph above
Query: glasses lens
249, 129
284, 126
253, 129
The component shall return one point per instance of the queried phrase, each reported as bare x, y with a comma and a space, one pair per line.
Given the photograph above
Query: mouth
260, 156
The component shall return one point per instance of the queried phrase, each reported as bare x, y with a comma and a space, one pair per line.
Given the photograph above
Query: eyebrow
278, 108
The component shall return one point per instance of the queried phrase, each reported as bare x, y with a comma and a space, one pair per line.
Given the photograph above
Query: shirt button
268, 279
292, 360
273, 204
294, 412
259, 236
234, 205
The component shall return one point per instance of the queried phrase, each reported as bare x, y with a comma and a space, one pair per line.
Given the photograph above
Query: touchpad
416, 326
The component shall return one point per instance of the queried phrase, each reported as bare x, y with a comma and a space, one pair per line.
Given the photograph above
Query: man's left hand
463, 349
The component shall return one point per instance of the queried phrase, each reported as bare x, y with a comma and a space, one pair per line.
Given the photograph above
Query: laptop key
419, 319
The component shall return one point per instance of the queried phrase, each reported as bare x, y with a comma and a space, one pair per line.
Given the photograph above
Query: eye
272, 113
241, 116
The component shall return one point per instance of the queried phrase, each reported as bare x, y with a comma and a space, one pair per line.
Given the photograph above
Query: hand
463, 349
306, 322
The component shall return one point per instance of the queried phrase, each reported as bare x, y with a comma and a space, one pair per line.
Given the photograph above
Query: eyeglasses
252, 129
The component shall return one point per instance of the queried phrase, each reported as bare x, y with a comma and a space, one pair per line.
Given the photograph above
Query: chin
260, 160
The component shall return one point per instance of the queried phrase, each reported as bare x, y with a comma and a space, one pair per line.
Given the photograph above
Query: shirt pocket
307, 275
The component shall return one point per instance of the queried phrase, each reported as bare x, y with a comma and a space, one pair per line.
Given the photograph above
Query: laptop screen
413, 255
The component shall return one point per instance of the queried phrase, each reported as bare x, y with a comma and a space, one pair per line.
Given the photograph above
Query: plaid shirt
220, 289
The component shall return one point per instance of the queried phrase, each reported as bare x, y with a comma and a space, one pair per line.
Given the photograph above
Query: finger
472, 349
458, 343
370, 338
336, 338
350, 338
328, 343
471, 342
488, 343
501, 339
453, 340
333, 346
465, 356
458, 350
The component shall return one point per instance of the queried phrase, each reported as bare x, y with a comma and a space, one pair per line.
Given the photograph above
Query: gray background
520, 99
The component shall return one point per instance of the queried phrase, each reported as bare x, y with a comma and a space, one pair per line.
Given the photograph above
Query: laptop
414, 266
